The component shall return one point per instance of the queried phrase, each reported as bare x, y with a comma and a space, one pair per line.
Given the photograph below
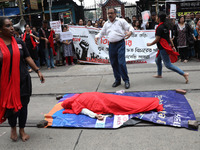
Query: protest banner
56, 26
136, 49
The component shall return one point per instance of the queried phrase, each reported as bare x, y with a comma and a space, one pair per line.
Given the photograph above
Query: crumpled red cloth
172, 54
51, 42
102, 103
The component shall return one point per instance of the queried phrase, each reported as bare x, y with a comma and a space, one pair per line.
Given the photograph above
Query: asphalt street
89, 78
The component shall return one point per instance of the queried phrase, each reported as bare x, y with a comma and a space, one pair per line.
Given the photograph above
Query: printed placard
119, 120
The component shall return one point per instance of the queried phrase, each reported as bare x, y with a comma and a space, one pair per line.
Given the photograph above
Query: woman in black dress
30, 38
15, 83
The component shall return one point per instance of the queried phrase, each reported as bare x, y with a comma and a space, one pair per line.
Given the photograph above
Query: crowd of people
43, 44
28, 51
185, 32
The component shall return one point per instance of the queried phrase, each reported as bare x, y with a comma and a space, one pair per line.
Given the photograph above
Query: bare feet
157, 76
186, 75
13, 134
23, 135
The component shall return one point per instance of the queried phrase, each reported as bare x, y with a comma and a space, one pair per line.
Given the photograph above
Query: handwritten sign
173, 11
56, 26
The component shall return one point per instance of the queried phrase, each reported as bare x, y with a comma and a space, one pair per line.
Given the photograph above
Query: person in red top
167, 51
15, 82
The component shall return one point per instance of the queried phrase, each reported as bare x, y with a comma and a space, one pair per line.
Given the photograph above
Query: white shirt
115, 30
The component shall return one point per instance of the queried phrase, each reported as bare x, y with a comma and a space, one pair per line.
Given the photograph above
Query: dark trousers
118, 61
198, 49
183, 53
21, 114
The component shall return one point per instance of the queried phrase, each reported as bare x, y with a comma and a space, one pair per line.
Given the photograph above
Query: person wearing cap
117, 30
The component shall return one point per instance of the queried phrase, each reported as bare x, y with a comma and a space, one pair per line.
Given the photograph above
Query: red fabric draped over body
172, 55
102, 103
10, 82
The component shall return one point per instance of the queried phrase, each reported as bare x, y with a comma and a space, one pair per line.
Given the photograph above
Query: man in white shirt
117, 29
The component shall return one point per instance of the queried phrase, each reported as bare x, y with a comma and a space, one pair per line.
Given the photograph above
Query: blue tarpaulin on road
177, 112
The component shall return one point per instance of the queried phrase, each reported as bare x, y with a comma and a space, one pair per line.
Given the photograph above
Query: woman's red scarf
172, 55
10, 82
32, 40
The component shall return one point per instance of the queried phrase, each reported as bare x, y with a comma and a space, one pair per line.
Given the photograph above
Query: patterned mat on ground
177, 112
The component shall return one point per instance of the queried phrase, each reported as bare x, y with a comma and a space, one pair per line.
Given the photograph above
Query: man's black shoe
127, 85
115, 84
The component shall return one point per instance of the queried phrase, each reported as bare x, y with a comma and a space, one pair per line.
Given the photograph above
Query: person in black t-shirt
15, 83
44, 34
163, 43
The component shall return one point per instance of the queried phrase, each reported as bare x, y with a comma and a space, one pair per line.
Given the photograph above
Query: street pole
20, 8
29, 11
3, 11
95, 9
157, 7
50, 5
43, 9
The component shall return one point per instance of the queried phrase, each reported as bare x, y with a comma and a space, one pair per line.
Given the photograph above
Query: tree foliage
89, 15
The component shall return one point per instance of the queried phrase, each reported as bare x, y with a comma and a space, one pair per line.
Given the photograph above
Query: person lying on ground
94, 104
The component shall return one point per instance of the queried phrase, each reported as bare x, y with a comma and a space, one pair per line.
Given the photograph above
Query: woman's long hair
2, 19
167, 22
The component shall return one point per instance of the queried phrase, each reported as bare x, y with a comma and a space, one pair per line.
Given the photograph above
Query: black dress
29, 45
25, 79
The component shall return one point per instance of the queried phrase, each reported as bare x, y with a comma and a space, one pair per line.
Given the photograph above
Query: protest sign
56, 26
66, 36
173, 11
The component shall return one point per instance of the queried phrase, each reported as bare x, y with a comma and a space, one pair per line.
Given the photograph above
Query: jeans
49, 57
165, 57
191, 51
118, 61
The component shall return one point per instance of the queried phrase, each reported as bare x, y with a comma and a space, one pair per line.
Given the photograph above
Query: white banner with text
136, 46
